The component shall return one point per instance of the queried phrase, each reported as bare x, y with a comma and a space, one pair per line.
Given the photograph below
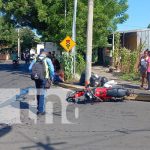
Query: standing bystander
143, 67
42, 70
148, 71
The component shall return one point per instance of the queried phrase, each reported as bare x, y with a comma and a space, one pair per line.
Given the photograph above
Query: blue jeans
57, 78
40, 84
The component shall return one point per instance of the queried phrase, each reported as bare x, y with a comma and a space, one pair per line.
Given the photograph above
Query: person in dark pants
27, 57
40, 84
143, 67
148, 71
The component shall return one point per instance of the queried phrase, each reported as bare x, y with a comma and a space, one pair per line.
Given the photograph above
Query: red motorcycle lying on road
98, 94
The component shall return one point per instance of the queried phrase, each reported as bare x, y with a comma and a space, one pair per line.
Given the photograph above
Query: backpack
38, 70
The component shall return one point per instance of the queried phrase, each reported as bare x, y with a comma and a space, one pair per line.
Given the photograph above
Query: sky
139, 15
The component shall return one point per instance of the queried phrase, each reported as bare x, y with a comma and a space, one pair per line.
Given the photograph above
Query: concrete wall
39, 47
51, 47
144, 39
4, 56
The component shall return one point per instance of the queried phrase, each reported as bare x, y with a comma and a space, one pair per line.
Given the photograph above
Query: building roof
136, 30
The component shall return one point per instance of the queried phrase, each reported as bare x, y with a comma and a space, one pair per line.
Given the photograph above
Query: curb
134, 97
71, 86
139, 97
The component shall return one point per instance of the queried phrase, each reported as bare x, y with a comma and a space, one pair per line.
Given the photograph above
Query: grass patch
133, 77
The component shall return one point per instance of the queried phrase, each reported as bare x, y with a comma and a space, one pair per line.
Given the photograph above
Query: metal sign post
74, 35
18, 42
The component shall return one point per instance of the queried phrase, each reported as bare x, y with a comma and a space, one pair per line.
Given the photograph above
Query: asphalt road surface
101, 126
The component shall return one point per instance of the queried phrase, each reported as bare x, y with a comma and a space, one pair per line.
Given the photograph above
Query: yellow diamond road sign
67, 43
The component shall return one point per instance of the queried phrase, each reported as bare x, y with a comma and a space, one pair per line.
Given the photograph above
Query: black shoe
41, 113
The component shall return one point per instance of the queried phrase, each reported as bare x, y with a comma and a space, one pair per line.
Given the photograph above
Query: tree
148, 26
28, 38
48, 18
8, 36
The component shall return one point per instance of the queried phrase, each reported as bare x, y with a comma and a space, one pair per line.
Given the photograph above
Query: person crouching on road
59, 76
40, 83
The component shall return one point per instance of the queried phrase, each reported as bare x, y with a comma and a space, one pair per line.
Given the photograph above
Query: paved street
101, 126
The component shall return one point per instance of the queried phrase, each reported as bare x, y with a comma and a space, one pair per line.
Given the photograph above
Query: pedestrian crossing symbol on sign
67, 43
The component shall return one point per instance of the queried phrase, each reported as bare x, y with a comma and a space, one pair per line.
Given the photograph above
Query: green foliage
133, 61
125, 59
8, 36
28, 38
48, 17
134, 77
107, 14
80, 64
116, 54
66, 61
128, 60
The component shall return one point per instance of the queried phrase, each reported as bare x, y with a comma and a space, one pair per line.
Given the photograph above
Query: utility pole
113, 42
18, 42
74, 36
65, 12
89, 42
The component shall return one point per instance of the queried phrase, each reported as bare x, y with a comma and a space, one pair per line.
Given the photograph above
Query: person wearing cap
40, 85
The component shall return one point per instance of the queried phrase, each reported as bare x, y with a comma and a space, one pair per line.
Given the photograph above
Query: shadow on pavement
4, 129
24, 105
20, 69
45, 146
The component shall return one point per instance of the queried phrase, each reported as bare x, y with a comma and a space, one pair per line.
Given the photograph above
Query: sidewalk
101, 71
139, 94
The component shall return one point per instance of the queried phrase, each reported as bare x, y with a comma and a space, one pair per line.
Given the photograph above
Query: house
52, 47
4, 56
132, 39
